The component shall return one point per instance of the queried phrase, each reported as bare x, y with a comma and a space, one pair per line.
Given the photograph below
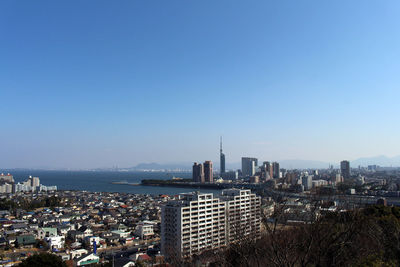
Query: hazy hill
303, 164
382, 161
158, 166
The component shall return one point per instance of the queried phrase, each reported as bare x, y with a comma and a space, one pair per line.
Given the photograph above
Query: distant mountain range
158, 166
288, 164
382, 161
303, 164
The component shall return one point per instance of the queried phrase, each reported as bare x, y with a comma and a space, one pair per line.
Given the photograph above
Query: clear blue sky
97, 83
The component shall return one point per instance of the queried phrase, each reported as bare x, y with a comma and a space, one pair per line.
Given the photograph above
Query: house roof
120, 262
20, 226
26, 239
85, 256
144, 257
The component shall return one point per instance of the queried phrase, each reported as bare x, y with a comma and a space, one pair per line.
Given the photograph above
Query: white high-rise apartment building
193, 223
6, 188
197, 222
7, 177
243, 211
35, 181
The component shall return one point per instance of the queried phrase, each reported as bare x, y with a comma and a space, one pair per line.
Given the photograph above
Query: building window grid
217, 220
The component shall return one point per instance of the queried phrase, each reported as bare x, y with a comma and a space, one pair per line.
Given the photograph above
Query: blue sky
98, 83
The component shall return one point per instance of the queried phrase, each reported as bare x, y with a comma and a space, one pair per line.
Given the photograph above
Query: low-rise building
87, 260
144, 230
55, 242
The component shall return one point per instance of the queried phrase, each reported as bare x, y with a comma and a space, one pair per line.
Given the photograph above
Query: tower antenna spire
221, 157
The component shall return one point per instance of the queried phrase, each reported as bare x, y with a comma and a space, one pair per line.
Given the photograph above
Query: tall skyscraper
208, 171
276, 170
345, 169
306, 181
248, 166
268, 170
221, 159
198, 173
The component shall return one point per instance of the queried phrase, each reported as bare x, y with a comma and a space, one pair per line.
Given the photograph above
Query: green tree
43, 259
140, 264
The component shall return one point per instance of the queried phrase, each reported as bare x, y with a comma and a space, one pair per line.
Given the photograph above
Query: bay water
101, 181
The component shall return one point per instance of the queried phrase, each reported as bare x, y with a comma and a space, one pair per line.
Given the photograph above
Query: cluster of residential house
84, 225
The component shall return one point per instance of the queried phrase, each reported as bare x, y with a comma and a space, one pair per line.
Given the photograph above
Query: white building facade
243, 212
55, 242
191, 224
197, 222
144, 230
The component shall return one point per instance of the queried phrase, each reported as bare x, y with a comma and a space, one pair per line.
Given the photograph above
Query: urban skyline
381, 161
120, 85
199, 133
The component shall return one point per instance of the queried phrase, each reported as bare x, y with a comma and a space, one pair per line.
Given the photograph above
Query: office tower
306, 181
34, 182
193, 223
221, 159
291, 178
282, 172
372, 167
345, 169
268, 170
338, 178
263, 170
243, 214
208, 172
198, 173
276, 170
248, 166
